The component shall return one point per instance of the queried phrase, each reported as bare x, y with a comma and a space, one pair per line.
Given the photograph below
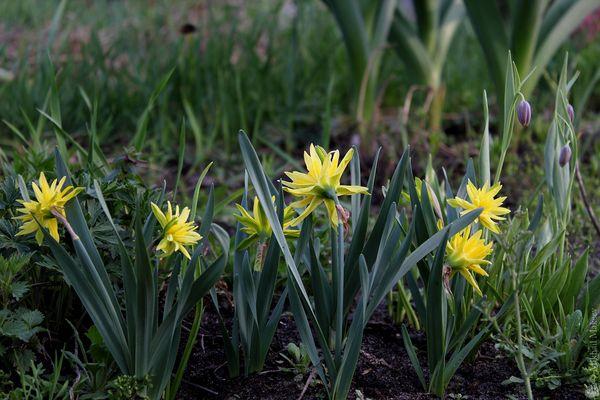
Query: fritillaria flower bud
524, 113
565, 155
571, 112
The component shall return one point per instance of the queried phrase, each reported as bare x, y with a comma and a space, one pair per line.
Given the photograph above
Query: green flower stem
519, 353
338, 279
173, 386
509, 130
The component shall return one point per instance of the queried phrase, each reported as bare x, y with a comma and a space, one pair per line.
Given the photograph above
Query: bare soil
383, 372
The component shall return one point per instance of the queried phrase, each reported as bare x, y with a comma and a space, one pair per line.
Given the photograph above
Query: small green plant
18, 324
34, 384
549, 327
400, 306
12, 285
92, 363
297, 358
360, 395
458, 396
125, 387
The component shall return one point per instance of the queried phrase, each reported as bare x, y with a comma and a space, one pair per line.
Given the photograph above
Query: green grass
250, 67
275, 68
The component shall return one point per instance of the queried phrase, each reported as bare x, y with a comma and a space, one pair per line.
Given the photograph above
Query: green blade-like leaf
458, 357
435, 325
305, 333
271, 326
486, 20
392, 196
575, 282
77, 221
562, 18
129, 283
262, 188
412, 355
484, 148
405, 264
351, 352
146, 301
92, 303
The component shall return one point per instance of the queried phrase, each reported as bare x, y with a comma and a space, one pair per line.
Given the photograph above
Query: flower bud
571, 112
524, 113
565, 155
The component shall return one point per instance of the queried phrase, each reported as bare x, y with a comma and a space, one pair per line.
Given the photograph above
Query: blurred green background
277, 69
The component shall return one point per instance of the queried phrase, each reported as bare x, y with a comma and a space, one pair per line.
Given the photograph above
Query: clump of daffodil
256, 225
177, 231
49, 204
483, 198
466, 253
321, 184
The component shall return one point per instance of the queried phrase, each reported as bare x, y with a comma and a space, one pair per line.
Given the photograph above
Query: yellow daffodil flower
177, 231
466, 254
257, 226
483, 198
321, 184
38, 213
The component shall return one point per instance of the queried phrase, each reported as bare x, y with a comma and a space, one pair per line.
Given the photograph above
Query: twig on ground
195, 385
269, 371
308, 381
375, 360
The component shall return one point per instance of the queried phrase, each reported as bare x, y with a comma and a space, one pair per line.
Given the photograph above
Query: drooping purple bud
571, 112
524, 113
565, 155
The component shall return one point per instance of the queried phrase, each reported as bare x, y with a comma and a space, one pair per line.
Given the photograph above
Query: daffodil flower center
326, 191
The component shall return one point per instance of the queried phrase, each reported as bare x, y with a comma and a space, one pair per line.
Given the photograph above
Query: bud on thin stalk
434, 200
571, 112
524, 113
565, 155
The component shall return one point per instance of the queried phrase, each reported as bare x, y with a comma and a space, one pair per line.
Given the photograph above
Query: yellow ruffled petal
478, 270
38, 193
50, 198
332, 212
460, 203
52, 226
177, 231
466, 252
483, 198
347, 190
471, 280
321, 183
314, 203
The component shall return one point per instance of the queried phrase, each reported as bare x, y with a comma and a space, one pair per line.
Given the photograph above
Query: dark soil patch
383, 372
